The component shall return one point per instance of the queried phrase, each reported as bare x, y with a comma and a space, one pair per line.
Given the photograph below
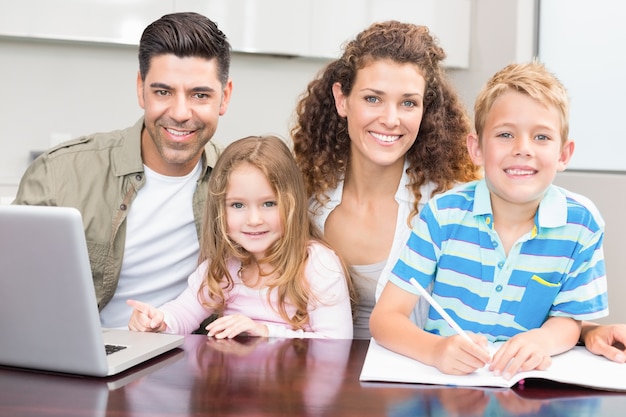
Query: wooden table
260, 377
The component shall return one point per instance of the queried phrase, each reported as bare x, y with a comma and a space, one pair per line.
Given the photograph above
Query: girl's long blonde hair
288, 256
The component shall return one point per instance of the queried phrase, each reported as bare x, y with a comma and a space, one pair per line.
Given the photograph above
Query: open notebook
577, 366
49, 318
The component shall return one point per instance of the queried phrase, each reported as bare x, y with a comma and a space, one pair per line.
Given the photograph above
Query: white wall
57, 90
586, 51
601, 188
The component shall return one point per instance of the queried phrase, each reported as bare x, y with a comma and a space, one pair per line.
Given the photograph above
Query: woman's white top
367, 293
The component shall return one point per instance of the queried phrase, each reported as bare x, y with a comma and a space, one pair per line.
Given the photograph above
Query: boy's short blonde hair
532, 79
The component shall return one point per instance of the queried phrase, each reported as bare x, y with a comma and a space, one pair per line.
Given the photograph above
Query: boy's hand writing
145, 318
522, 352
458, 356
232, 326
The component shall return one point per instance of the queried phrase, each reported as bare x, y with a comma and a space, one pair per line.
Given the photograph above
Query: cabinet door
309, 28
120, 22
275, 27
319, 28
335, 22
448, 20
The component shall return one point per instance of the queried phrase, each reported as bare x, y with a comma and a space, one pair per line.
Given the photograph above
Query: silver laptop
49, 318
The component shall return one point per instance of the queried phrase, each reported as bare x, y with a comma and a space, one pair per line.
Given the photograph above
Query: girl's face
384, 111
252, 213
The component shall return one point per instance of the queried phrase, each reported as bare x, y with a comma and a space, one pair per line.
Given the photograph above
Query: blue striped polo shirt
557, 269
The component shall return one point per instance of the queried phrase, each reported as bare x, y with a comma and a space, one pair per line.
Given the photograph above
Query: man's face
182, 100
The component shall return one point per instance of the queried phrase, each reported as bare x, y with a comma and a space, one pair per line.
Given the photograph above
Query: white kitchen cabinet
308, 28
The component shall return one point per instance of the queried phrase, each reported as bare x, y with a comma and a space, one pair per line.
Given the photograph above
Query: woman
356, 141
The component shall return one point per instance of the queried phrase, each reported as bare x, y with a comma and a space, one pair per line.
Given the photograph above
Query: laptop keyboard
113, 348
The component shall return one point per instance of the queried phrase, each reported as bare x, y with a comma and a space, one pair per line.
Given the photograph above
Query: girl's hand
458, 356
232, 326
522, 352
145, 318
239, 346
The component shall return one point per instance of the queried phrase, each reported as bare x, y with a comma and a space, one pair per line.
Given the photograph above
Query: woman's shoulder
320, 206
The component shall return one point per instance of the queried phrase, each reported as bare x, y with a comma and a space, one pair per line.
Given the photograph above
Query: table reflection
276, 377
449, 401
256, 376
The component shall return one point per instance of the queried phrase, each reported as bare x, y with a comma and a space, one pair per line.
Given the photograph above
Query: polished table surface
275, 377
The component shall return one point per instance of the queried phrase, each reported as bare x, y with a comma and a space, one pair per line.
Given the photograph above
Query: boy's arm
606, 340
391, 326
534, 348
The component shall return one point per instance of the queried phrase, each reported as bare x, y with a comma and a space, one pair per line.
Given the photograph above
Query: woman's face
384, 111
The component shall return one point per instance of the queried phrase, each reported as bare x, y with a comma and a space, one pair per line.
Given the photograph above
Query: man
141, 190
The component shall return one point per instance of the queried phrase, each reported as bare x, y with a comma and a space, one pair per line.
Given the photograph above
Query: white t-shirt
365, 278
161, 245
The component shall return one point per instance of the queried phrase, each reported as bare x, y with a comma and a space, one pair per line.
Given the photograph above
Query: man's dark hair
185, 35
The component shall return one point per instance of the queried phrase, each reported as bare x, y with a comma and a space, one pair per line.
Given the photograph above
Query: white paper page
577, 366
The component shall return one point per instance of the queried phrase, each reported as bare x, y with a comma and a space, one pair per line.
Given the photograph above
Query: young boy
512, 257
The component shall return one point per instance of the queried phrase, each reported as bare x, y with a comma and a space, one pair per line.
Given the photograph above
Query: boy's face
521, 149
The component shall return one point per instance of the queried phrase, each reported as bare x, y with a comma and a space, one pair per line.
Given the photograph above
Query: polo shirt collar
482, 199
552, 210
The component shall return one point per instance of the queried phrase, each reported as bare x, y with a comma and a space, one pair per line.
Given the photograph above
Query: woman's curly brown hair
320, 135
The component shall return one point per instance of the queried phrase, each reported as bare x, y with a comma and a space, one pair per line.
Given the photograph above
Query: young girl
263, 270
